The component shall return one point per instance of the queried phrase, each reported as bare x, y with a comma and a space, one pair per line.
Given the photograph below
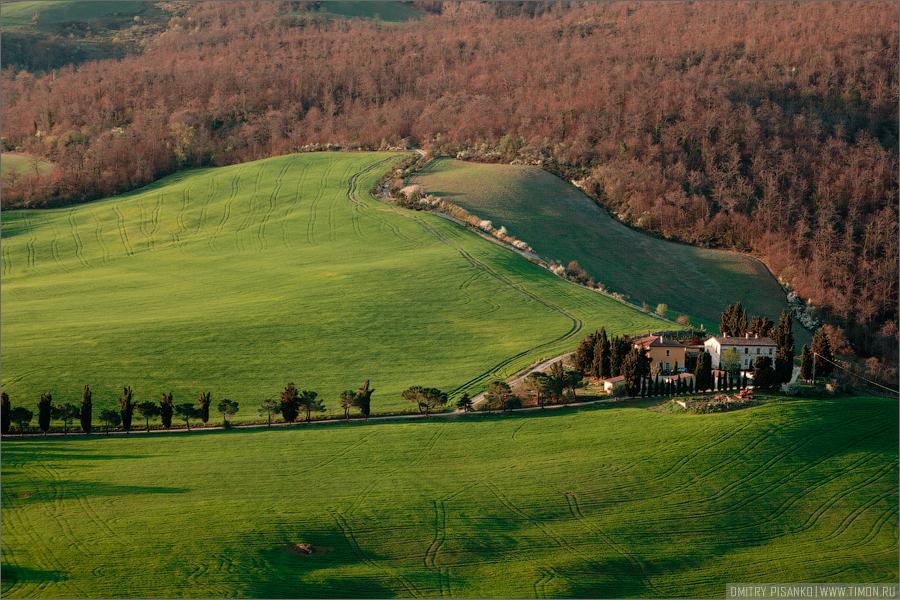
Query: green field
593, 503
240, 279
386, 11
19, 14
22, 163
560, 222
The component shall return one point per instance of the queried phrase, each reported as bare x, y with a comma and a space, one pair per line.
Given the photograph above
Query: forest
768, 128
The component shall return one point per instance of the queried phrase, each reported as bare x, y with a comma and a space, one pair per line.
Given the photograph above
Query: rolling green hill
22, 163
597, 503
19, 14
241, 279
386, 11
562, 223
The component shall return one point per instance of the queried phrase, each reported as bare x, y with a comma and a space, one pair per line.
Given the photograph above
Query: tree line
290, 405
771, 127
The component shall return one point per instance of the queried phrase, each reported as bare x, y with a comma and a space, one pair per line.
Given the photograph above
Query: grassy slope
240, 279
22, 163
599, 503
386, 11
19, 14
560, 222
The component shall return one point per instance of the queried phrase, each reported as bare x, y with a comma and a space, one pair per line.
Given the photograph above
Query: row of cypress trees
291, 403
68, 412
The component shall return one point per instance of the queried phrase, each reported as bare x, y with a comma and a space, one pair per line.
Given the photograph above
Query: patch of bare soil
304, 549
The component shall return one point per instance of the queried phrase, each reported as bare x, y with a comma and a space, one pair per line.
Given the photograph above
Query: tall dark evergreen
583, 358
126, 408
703, 371
619, 348
45, 411
605, 357
166, 408
635, 367
763, 373
5, 411
87, 409
363, 400
806, 363
600, 366
784, 355
290, 407
763, 326
204, 401
821, 348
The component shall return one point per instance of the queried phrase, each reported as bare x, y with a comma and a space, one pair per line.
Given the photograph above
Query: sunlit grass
596, 503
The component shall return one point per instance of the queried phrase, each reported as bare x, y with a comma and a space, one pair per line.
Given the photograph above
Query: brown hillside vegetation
763, 127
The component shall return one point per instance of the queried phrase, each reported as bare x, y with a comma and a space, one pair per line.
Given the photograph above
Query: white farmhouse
749, 348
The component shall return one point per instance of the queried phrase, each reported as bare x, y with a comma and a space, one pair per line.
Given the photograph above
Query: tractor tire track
431, 553
362, 556
313, 207
577, 323
54, 246
79, 246
426, 450
226, 208
29, 246
123, 233
636, 565
273, 204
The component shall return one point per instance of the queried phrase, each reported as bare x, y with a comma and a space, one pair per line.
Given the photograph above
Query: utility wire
855, 374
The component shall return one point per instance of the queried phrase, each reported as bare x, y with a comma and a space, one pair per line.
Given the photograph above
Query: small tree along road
65, 413
22, 417
228, 408
188, 411
149, 410
110, 417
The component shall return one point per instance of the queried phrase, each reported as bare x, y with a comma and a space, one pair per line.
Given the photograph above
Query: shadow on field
345, 571
13, 575
86, 489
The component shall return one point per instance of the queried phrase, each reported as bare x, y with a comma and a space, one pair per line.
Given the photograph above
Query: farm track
363, 556
577, 323
637, 566
79, 246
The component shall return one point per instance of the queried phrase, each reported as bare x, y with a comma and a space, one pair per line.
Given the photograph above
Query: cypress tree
363, 400
5, 411
45, 410
290, 405
784, 356
583, 359
127, 408
166, 408
204, 406
605, 368
86, 409
821, 347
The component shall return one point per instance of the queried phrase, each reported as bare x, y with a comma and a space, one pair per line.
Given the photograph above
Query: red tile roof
657, 341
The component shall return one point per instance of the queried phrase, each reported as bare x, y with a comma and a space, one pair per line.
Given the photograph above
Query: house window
770, 351
757, 350
667, 353
667, 366
746, 350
